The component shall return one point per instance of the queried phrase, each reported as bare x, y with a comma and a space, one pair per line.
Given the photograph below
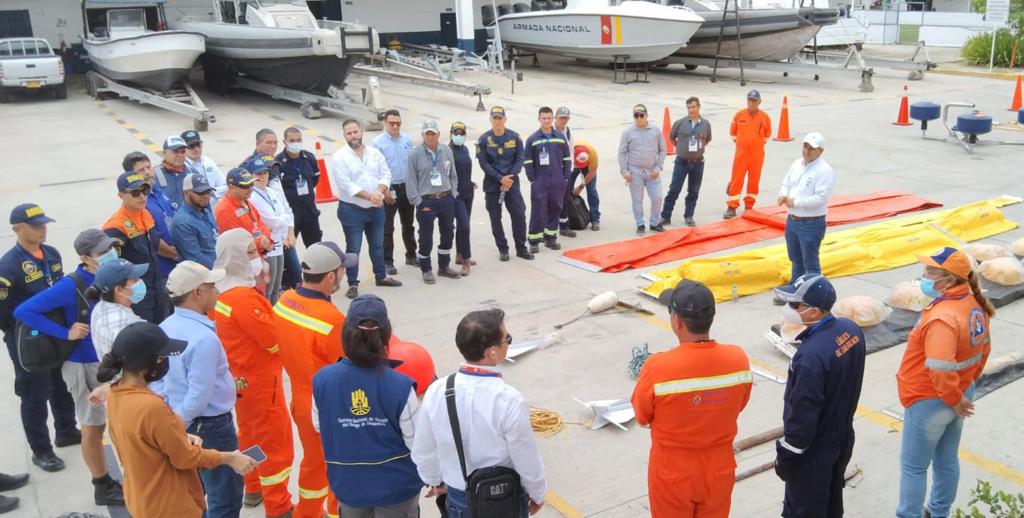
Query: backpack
38, 352
579, 214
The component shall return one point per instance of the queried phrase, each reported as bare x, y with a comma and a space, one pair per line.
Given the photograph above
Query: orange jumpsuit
751, 132
245, 326
309, 327
691, 396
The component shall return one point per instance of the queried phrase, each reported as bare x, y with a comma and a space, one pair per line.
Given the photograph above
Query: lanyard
269, 200
433, 156
30, 257
476, 371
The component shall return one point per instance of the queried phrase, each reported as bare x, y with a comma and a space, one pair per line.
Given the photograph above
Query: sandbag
982, 252
908, 296
1017, 247
863, 311
1005, 271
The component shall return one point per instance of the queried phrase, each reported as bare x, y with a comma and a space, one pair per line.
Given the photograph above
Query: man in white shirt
493, 419
361, 180
277, 216
199, 162
806, 190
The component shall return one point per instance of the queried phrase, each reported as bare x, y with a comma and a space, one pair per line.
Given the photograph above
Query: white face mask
458, 140
256, 266
791, 316
294, 147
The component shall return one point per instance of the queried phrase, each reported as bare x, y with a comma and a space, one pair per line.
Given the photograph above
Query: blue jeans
443, 211
931, 435
642, 181
222, 485
459, 508
803, 241
355, 221
682, 170
292, 269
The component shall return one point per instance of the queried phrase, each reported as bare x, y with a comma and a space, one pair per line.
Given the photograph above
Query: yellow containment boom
870, 248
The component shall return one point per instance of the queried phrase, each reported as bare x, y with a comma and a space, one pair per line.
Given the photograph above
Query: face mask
791, 316
928, 287
108, 256
256, 266
158, 370
294, 147
459, 140
138, 292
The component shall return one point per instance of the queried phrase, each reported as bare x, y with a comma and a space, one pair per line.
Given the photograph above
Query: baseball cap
562, 111
139, 342
367, 307
429, 125
189, 275
256, 166
811, 289
326, 256
950, 259
92, 241
30, 213
174, 142
115, 272
639, 108
815, 140
754, 94
580, 156
497, 111
689, 299
240, 176
129, 181
458, 125
196, 183
191, 137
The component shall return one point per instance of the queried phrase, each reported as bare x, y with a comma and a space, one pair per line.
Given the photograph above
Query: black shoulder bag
492, 492
38, 352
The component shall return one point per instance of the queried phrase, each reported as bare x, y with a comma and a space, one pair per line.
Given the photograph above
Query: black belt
436, 195
804, 218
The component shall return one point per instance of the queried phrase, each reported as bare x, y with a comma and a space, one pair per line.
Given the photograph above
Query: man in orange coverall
235, 211
245, 326
750, 129
690, 397
309, 327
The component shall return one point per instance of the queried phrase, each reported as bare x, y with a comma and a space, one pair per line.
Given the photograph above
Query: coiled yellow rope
546, 422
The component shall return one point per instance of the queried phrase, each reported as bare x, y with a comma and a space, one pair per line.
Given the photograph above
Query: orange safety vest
309, 327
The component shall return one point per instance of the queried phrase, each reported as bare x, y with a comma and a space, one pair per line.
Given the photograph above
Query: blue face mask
928, 287
110, 255
138, 291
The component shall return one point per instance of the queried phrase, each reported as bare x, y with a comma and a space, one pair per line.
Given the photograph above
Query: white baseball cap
189, 275
815, 140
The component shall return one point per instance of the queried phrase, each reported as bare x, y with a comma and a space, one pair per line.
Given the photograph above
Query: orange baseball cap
950, 259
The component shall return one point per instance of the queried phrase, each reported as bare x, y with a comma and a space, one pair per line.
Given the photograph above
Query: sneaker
390, 268
690, 222
411, 261
503, 257
449, 272
665, 221
657, 228
640, 230
567, 233
525, 255
428, 277
389, 282
553, 245
69, 439
729, 213
595, 226
12, 482
8, 504
254, 499
108, 491
48, 461
534, 248
465, 269
353, 292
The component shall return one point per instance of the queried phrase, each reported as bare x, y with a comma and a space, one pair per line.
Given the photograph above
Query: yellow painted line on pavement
1012, 76
560, 505
120, 121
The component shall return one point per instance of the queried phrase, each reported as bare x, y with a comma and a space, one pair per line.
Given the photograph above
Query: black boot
8, 504
12, 482
107, 491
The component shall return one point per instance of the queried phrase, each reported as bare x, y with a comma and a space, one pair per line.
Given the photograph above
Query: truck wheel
5, 96
61, 91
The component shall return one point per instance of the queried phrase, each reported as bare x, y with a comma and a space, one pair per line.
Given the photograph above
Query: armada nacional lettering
549, 28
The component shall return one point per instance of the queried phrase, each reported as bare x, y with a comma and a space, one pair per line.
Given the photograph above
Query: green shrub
977, 49
996, 504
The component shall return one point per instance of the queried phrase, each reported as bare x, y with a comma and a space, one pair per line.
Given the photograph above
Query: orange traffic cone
1016, 104
783, 135
323, 187
903, 119
666, 128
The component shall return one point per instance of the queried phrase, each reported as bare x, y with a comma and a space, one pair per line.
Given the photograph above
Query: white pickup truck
30, 63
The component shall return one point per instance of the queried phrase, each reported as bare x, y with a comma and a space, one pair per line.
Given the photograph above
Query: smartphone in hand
255, 453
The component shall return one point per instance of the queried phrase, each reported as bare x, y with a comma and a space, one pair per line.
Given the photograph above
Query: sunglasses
246, 187
496, 117
794, 305
458, 132
142, 191
639, 115
195, 145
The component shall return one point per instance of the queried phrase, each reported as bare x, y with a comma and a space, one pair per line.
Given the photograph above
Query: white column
464, 21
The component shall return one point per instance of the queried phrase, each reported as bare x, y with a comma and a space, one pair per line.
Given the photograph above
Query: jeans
640, 182
407, 215
931, 435
803, 241
292, 269
222, 485
443, 211
459, 508
36, 389
463, 210
682, 170
355, 221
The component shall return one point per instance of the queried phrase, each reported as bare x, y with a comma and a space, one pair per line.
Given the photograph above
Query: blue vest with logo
368, 464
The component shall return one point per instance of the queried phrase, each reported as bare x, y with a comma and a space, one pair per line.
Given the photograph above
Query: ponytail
93, 294
972, 281
364, 346
109, 367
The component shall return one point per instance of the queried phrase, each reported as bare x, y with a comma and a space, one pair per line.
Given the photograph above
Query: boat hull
155, 60
235, 41
762, 46
315, 74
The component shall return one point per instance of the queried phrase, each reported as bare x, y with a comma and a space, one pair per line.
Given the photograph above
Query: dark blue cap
240, 176
115, 272
689, 299
754, 94
256, 165
29, 213
812, 289
196, 183
129, 181
367, 307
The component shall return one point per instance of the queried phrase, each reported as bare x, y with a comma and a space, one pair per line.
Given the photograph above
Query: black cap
191, 137
689, 299
29, 213
137, 344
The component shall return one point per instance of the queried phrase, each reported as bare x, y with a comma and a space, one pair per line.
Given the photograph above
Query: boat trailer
181, 99
370, 109
427, 71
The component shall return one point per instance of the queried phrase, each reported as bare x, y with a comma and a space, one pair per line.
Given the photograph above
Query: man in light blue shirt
396, 146
198, 385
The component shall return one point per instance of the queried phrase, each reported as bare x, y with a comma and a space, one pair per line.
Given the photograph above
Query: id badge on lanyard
435, 175
301, 187
694, 143
545, 158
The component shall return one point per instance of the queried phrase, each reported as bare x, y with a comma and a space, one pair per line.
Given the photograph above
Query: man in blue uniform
25, 270
500, 153
821, 396
299, 178
548, 165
